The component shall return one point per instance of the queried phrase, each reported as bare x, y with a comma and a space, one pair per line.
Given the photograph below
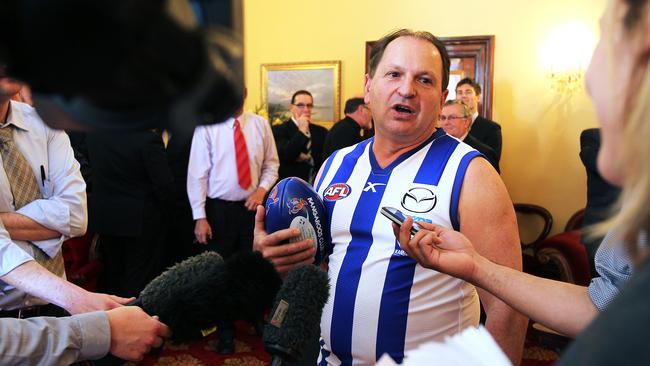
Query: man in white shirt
232, 166
39, 226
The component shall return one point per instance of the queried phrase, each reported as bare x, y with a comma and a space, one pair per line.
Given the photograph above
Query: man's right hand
134, 333
274, 247
303, 124
202, 231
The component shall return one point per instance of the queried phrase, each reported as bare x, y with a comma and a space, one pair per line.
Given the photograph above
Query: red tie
241, 154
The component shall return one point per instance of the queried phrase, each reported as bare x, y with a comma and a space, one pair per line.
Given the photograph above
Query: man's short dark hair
300, 92
352, 104
472, 83
380, 46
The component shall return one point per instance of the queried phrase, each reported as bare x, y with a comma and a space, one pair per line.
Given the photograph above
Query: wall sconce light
565, 56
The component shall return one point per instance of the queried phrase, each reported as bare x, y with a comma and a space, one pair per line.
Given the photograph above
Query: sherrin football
293, 203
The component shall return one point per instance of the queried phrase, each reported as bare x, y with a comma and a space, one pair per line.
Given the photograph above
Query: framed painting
321, 79
472, 57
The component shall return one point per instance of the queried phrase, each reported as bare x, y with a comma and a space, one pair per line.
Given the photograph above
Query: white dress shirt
63, 207
212, 169
474, 116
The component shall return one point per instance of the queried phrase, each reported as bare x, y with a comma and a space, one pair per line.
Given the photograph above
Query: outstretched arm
32, 278
561, 306
127, 332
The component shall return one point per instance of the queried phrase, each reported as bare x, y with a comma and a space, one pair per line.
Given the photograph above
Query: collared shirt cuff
198, 213
11, 256
50, 246
49, 213
95, 333
601, 292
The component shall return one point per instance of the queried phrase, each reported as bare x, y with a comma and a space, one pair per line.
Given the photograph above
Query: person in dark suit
347, 131
455, 119
180, 238
132, 193
600, 194
483, 129
299, 141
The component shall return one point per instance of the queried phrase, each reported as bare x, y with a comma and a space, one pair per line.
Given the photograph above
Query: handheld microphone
295, 318
200, 291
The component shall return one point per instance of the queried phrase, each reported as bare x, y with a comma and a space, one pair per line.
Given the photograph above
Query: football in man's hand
293, 203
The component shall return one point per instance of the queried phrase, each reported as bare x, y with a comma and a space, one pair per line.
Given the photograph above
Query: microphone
135, 65
199, 292
296, 314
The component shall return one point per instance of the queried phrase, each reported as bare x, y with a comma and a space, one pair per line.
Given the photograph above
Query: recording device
197, 293
398, 217
295, 318
126, 65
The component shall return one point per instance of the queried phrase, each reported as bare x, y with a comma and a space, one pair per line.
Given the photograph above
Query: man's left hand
255, 199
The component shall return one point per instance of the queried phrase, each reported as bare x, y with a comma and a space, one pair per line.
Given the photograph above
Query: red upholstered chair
81, 265
562, 256
566, 253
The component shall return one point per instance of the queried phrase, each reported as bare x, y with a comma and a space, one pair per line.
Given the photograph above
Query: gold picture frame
322, 79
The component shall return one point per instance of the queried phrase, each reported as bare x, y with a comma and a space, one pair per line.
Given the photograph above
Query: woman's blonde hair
633, 216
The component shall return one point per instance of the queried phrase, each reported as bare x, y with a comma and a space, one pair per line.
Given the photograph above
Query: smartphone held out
398, 217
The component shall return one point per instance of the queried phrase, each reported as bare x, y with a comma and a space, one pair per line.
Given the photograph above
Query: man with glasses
347, 131
484, 130
299, 141
455, 119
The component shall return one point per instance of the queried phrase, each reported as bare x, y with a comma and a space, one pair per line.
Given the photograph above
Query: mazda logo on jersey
337, 191
419, 200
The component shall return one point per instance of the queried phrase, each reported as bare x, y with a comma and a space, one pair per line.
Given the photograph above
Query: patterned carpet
249, 351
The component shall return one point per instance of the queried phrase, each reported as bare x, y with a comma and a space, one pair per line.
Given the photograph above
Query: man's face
8, 88
468, 95
302, 106
405, 93
453, 121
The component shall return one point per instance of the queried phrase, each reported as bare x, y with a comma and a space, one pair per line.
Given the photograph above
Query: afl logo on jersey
419, 200
337, 191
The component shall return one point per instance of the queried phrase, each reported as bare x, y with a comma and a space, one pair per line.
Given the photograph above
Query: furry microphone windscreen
184, 295
251, 284
295, 318
201, 291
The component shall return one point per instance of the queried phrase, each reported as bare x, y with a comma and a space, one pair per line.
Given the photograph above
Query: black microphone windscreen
202, 291
251, 285
184, 295
295, 318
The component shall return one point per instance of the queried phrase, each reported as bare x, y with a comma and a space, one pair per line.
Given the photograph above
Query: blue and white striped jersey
382, 301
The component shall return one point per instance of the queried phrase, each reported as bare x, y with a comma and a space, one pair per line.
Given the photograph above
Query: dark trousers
232, 226
232, 232
180, 243
130, 263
